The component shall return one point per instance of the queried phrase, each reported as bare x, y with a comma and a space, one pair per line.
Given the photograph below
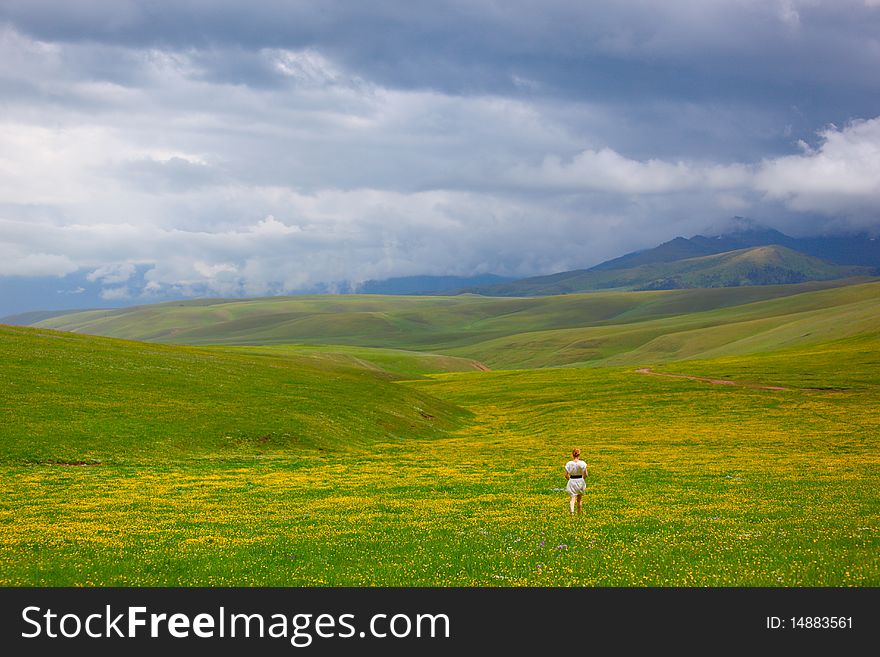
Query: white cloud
839, 177
115, 293
271, 226
330, 236
17, 262
788, 14
606, 170
112, 273
212, 271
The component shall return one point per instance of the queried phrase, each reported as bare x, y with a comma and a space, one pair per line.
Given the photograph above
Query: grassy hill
81, 399
594, 328
761, 326
850, 364
392, 364
34, 317
762, 265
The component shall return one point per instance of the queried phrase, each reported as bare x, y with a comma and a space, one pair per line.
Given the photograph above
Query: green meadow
362, 441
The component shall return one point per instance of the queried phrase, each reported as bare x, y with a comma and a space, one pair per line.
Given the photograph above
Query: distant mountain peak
736, 225
751, 254
745, 229
675, 249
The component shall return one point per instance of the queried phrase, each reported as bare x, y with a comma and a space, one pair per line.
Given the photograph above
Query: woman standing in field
575, 471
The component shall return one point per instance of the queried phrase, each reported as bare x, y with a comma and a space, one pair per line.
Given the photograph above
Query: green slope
596, 328
690, 484
392, 364
763, 265
749, 328
71, 398
850, 364
33, 317
415, 323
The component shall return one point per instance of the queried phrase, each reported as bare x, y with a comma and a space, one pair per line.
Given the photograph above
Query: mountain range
751, 256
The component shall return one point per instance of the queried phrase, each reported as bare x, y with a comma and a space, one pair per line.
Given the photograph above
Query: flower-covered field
690, 484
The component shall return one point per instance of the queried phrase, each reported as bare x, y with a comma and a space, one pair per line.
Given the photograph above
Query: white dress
576, 486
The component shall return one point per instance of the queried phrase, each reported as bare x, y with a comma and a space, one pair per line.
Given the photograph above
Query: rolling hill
33, 317
755, 328
592, 328
76, 399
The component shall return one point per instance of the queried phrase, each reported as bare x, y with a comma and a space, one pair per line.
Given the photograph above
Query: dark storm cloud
572, 44
802, 64
469, 29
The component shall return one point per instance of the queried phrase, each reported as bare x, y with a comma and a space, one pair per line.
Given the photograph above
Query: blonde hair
575, 452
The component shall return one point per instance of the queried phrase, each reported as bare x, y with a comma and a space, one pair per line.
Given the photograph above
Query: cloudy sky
172, 148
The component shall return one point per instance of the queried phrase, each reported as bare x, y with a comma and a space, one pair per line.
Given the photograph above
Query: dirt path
717, 382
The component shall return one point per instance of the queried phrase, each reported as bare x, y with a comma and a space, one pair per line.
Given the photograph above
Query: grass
389, 363
443, 324
70, 399
843, 365
595, 329
761, 326
691, 484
